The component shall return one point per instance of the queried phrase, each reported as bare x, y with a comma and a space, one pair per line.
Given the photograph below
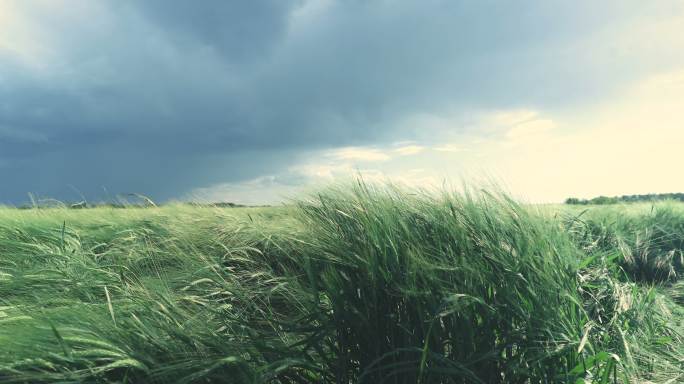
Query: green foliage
603, 200
647, 245
465, 288
356, 284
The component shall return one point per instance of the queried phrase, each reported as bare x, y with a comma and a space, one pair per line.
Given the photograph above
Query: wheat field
355, 284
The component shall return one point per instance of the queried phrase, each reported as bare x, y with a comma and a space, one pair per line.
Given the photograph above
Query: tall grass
358, 283
647, 240
458, 288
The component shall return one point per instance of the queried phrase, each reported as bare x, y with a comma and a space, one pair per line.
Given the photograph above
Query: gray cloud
160, 98
240, 31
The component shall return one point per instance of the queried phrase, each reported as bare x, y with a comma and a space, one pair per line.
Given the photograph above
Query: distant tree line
87, 205
602, 200
124, 200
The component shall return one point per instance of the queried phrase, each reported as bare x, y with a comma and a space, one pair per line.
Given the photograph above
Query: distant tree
602, 200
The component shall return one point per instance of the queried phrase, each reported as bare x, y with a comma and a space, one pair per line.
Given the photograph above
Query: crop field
356, 284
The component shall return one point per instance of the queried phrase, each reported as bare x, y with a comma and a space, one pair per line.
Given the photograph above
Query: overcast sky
252, 101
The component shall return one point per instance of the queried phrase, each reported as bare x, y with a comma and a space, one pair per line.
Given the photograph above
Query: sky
258, 101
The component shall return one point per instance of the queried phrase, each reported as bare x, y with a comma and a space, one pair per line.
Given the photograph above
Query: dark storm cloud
161, 97
240, 31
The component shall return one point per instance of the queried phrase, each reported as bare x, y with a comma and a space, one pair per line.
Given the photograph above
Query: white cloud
20, 38
409, 150
449, 147
508, 118
529, 128
515, 124
365, 154
275, 189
